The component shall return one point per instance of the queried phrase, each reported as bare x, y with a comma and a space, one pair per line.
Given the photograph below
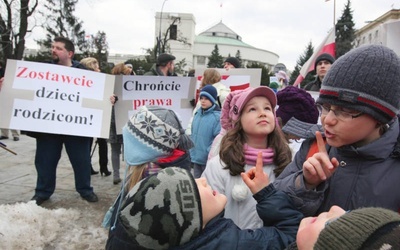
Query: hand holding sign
319, 167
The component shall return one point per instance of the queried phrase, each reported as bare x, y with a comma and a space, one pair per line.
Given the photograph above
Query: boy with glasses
359, 166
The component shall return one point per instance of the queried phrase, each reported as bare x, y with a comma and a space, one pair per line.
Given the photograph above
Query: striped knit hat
365, 79
364, 228
153, 132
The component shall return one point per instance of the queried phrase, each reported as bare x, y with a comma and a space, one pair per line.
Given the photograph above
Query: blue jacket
281, 221
205, 127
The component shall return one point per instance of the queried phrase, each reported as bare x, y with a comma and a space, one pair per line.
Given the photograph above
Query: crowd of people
257, 168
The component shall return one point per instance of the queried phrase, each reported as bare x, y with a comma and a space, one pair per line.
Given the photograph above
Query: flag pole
334, 16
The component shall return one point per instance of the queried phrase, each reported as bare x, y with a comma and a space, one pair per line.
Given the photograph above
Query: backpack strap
219, 102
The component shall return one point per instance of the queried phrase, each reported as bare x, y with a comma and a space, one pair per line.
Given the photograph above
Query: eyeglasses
343, 114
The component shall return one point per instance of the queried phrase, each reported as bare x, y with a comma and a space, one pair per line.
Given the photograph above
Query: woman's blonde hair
90, 63
136, 175
121, 69
210, 76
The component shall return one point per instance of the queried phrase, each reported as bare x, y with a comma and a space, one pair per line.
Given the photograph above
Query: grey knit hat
365, 79
163, 210
365, 228
302, 129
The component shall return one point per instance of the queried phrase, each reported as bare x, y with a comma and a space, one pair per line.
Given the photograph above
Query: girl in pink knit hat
248, 119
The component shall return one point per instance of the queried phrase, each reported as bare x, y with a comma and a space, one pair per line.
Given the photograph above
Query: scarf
250, 155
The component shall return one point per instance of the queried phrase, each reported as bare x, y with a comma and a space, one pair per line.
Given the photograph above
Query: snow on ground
28, 226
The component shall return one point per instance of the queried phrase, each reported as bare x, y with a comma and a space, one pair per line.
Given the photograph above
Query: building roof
221, 40
221, 34
391, 15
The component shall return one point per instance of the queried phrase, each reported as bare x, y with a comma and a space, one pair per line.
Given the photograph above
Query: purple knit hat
298, 103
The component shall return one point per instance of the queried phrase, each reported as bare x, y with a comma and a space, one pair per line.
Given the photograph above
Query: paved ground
18, 179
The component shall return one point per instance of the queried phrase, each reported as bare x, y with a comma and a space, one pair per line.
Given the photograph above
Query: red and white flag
327, 46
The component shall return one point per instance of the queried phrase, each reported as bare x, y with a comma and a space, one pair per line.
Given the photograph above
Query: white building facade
197, 48
384, 30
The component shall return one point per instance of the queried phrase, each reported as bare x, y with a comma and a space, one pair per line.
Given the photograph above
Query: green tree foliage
97, 47
179, 66
151, 55
300, 62
264, 72
215, 60
140, 66
61, 21
238, 56
345, 33
15, 24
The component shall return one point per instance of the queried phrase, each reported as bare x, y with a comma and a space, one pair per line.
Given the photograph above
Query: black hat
163, 59
365, 79
324, 56
234, 61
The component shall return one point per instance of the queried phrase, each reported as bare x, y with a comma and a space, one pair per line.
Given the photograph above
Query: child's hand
255, 178
319, 167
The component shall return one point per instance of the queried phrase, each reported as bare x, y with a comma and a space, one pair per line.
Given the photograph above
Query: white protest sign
168, 92
235, 78
55, 99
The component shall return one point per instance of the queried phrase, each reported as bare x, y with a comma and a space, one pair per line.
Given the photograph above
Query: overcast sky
282, 26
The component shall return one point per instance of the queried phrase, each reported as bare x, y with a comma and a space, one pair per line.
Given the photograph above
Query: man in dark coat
49, 146
322, 65
164, 67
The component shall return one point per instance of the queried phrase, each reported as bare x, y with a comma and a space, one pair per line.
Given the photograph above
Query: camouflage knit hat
163, 210
153, 132
365, 228
365, 79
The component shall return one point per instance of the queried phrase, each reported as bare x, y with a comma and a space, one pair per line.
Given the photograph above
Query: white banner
235, 78
169, 92
55, 99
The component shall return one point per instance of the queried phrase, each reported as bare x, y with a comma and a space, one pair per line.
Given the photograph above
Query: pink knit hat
236, 100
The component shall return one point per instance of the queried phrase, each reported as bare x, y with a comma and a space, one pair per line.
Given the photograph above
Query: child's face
212, 202
311, 227
258, 119
205, 102
340, 131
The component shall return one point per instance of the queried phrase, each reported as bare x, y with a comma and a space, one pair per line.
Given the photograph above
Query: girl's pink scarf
250, 155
